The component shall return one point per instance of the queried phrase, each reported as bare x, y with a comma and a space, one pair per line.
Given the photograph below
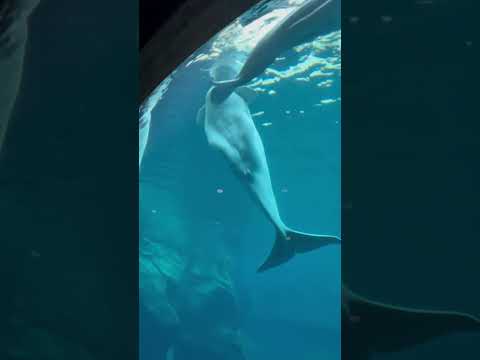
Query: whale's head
222, 72
227, 67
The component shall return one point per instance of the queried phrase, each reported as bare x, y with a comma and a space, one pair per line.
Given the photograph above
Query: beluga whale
311, 19
229, 128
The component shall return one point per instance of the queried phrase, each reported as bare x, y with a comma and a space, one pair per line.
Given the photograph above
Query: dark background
410, 158
410, 144
153, 14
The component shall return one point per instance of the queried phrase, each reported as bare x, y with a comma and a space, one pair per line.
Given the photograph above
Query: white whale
229, 128
311, 19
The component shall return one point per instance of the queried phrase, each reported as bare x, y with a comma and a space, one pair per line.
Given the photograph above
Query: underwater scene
221, 274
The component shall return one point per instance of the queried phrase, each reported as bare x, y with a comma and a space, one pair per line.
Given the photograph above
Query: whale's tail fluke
293, 242
386, 328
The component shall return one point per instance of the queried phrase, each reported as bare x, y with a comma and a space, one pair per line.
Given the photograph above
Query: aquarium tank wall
202, 235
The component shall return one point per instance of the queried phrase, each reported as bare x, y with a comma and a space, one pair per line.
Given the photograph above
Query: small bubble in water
154, 211
386, 18
302, 112
424, 2
219, 191
287, 112
354, 19
355, 319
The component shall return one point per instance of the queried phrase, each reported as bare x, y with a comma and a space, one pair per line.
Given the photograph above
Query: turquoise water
202, 237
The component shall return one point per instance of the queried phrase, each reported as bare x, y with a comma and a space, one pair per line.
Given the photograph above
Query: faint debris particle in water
284, 190
34, 253
260, 113
154, 211
267, 124
468, 43
424, 2
219, 191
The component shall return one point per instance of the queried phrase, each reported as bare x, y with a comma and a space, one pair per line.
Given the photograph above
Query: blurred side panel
410, 174
69, 180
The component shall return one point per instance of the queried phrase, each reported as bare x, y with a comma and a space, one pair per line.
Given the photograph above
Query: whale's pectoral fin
247, 94
388, 328
201, 115
285, 247
247, 173
243, 171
